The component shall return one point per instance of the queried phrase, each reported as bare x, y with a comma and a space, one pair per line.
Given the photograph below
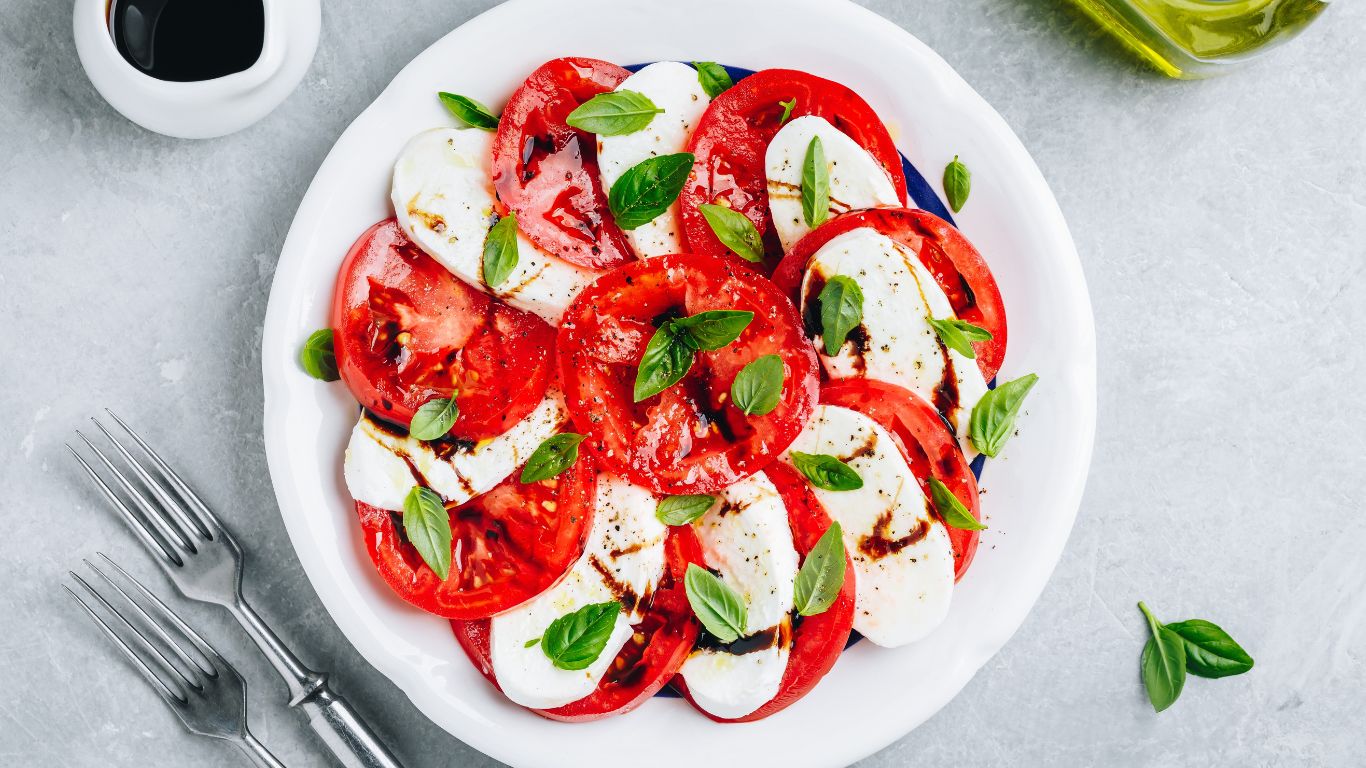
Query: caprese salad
664, 382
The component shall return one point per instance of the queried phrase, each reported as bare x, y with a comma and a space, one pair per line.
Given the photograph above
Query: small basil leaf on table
957, 184
667, 358
469, 111
500, 251
815, 184
787, 106
713, 77
647, 189
714, 329
614, 113
531, 642
556, 454
993, 418
428, 527
1163, 663
1210, 652
841, 311
317, 356
734, 230
951, 510
758, 387
574, 641
826, 472
716, 605
681, 510
821, 576
959, 335
434, 419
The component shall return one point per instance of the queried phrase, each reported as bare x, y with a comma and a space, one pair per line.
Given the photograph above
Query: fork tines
157, 504
166, 663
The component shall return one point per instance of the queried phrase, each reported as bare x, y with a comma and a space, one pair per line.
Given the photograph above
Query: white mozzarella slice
383, 464
896, 343
623, 560
674, 88
746, 538
443, 197
728, 686
903, 560
857, 181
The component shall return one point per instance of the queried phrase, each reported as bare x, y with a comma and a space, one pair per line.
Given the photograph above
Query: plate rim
277, 363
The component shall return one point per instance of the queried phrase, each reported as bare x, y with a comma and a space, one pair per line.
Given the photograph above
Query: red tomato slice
816, 640
648, 660
733, 135
929, 447
406, 331
958, 268
690, 438
547, 171
508, 545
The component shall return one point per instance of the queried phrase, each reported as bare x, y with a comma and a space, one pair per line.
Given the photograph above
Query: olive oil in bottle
1198, 38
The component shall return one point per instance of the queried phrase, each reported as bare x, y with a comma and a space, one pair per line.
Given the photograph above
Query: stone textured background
1222, 226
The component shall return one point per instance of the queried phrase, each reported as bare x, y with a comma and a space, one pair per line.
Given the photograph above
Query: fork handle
342, 730
257, 752
346, 735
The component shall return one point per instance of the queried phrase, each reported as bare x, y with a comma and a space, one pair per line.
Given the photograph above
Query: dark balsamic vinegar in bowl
188, 40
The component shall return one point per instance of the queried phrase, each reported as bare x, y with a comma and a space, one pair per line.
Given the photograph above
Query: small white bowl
208, 108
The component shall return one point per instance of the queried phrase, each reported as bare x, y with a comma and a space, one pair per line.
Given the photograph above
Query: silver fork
204, 562
203, 690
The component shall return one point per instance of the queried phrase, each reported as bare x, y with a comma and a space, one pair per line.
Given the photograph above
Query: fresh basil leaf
428, 527
993, 418
681, 510
1210, 652
671, 350
714, 78
667, 358
531, 642
951, 510
788, 106
957, 184
714, 329
717, 606
826, 472
815, 185
647, 190
553, 456
734, 230
958, 335
614, 113
574, 641
758, 387
1163, 663
500, 251
434, 419
469, 111
822, 573
317, 356
841, 311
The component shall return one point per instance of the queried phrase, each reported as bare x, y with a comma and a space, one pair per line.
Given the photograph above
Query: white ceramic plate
1034, 488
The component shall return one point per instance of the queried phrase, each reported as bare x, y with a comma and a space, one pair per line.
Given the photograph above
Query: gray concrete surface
1222, 226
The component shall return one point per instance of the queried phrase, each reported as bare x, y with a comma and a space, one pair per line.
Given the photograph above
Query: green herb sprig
671, 350
317, 356
615, 113
470, 112
647, 189
1196, 646
575, 640
957, 184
